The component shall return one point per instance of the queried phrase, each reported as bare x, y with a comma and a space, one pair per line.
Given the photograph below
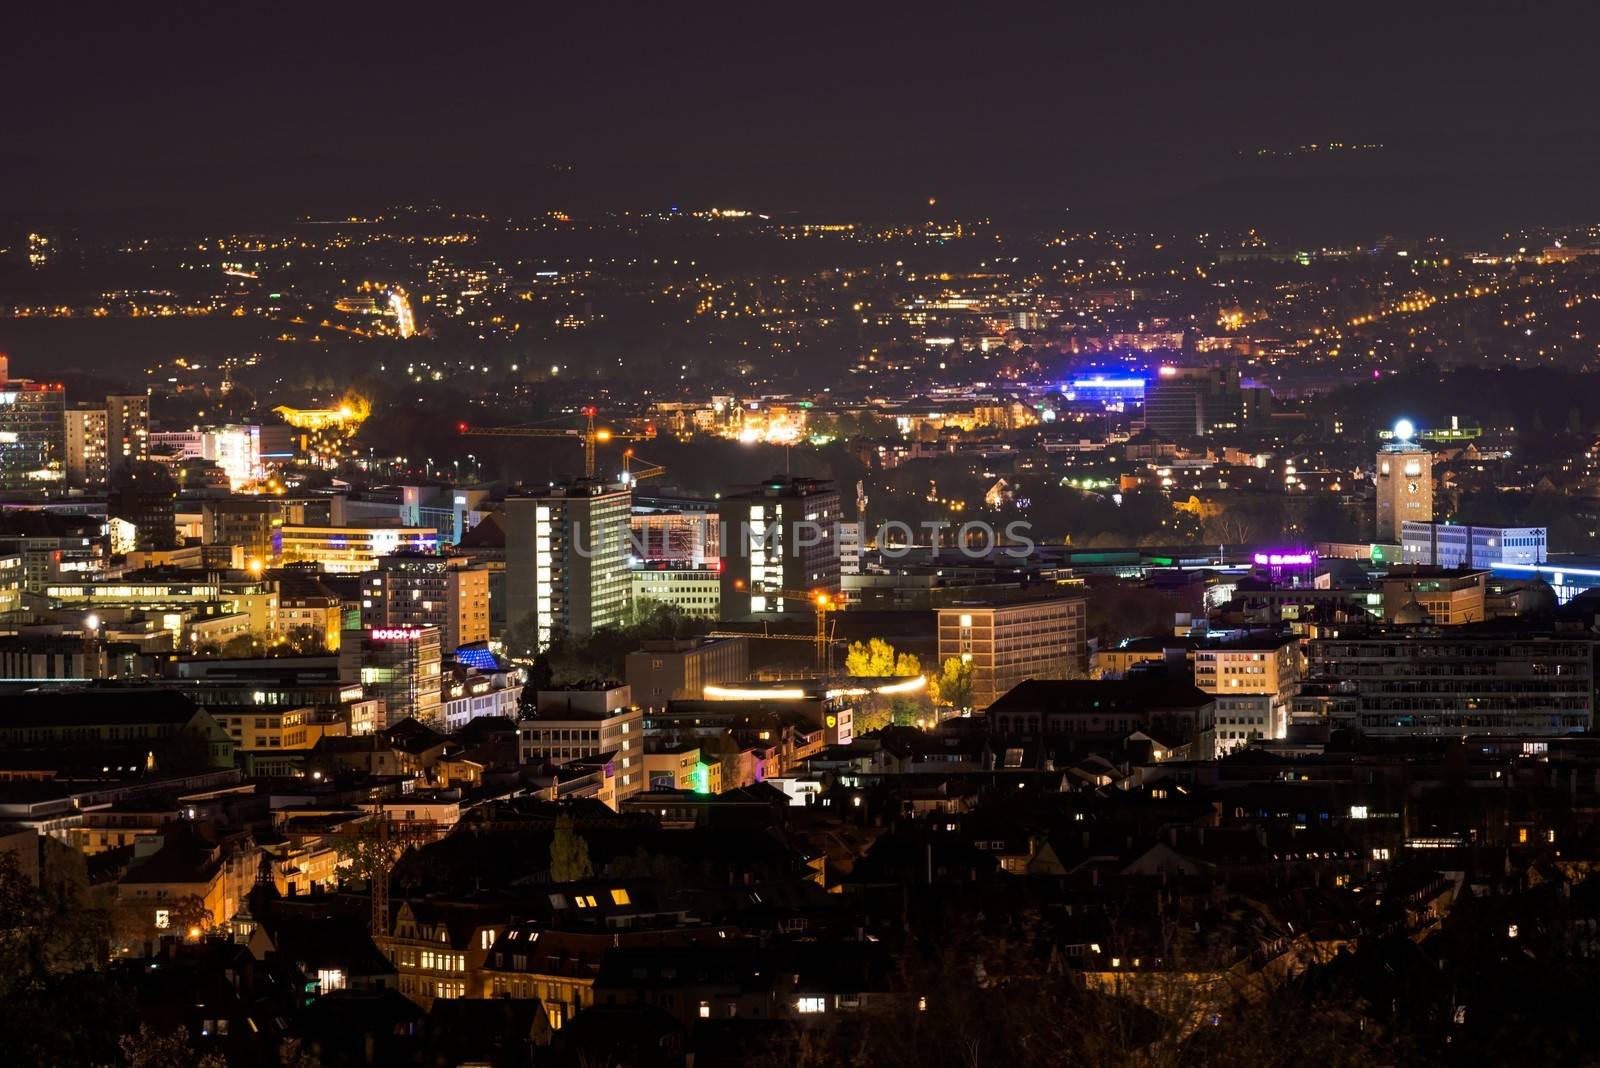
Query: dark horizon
1157, 117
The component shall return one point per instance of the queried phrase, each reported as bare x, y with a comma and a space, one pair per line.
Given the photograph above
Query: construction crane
387, 840
824, 601
589, 435
631, 476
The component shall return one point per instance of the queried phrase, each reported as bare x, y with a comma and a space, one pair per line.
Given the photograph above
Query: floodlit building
1254, 682
1008, 643
1405, 484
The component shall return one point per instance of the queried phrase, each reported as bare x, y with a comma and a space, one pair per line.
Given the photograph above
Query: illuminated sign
395, 634
1296, 559
1107, 383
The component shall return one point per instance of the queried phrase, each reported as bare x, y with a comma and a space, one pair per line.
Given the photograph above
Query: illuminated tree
569, 853
877, 659
953, 685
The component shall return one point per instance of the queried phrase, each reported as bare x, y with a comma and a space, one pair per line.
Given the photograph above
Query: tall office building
1193, 402
86, 448
33, 435
1405, 485
567, 558
127, 430
782, 535
422, 590
144, 497
398, 665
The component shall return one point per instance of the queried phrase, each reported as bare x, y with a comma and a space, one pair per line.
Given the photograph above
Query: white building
1465, 545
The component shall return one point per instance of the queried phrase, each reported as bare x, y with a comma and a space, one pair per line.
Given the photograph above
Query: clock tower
1405, 483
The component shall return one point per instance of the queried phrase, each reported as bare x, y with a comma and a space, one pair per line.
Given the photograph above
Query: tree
56, 1004
152, 1049
304, 640
189, 916
569, 853
878, 659
953, 685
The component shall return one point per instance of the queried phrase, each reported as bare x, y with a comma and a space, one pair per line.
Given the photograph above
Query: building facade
681, 670
1254, 683
567, 558
695, 591
87, 464
1008, 643
1465, 545
1391, 681
423, 590
399, 666
782, 535
1405, 488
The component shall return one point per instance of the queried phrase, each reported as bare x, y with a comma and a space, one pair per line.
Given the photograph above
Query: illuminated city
549, 537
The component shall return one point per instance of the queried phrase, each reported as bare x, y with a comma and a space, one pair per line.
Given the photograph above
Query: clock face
1411, 487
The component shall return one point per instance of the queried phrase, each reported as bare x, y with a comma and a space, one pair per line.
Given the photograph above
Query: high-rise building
145, 498
422, 590
1193, 402
127, 430
87, 466
398, 665
567, 558
33, 436
1405, 485
782, 535
1008, 643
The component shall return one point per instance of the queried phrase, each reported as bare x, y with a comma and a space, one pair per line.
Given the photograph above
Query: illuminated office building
33, 436
127, 430
423, 590
86, 464
399, 666
567, 558
782, 535
349, 550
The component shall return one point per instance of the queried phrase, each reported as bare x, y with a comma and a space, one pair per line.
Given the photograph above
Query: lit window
811, 1005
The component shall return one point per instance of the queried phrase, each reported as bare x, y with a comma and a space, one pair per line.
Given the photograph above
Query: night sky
1140, 112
